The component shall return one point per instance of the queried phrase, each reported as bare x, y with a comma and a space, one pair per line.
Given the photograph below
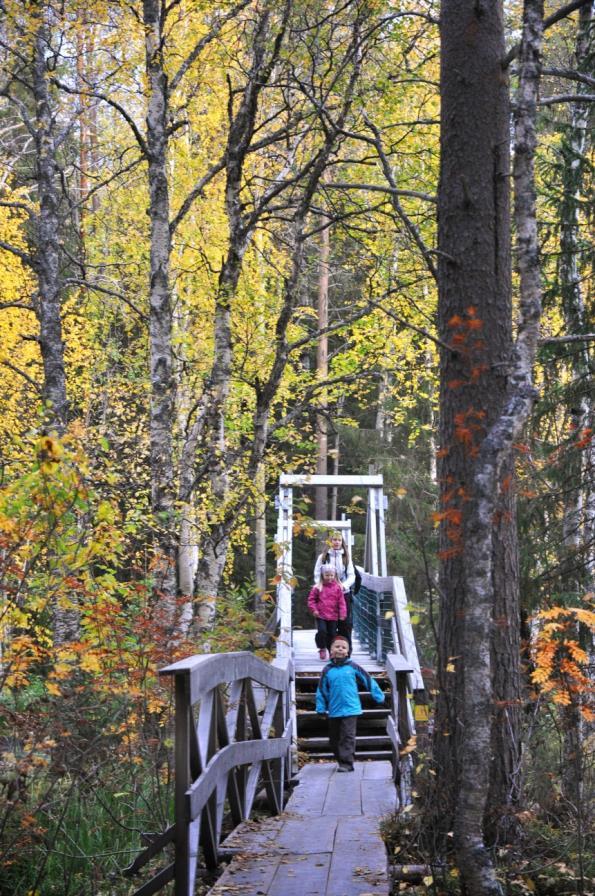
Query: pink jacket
327, 601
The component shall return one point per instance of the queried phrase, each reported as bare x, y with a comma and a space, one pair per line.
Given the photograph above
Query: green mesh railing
372, 614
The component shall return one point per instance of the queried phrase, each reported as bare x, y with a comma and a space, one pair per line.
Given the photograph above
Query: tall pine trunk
488, 481
474, 317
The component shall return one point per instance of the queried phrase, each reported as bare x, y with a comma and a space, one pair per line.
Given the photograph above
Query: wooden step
372, 755
362, 742
368, 702
380, 713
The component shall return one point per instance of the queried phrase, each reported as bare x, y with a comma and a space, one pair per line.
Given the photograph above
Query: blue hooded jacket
337, 694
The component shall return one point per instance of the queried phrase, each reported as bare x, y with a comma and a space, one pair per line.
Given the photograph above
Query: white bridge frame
375, 545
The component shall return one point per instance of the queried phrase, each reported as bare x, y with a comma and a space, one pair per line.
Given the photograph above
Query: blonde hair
336, 534
329, 568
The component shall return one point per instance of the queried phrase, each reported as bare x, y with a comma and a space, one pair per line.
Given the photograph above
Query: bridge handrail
243, 721
384, 625
208, 670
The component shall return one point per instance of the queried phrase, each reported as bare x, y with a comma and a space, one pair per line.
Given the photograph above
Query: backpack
358, 581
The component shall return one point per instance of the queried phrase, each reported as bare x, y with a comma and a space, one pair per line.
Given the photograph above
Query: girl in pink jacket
327, 602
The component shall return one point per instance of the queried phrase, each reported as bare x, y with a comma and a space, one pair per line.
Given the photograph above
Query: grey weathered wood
210, 670
183, 725
251, 875
378, 799
213, 754
162, 878
406, 636
305, 851
393, 734
156, 845
241, 753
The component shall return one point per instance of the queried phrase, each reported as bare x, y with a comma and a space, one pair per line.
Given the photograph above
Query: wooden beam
209, 670
311, 479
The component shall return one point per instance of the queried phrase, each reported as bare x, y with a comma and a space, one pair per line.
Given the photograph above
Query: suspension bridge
247, 738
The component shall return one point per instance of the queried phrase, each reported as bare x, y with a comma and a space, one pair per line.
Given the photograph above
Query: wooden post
184, 885
381, 532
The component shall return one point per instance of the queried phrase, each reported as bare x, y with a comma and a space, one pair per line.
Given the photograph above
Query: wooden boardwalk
325, 843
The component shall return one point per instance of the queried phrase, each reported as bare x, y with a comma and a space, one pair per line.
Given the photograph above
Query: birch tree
577, 531
29, 55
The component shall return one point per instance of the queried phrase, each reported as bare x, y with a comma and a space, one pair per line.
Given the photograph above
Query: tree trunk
475, 319
160, 324
215, 542
321, 499
260, 541
493, 456
47, 249
577, 528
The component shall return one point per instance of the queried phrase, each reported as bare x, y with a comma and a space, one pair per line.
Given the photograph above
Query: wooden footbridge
247, 737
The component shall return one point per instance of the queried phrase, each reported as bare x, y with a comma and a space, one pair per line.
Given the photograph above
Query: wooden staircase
372, 740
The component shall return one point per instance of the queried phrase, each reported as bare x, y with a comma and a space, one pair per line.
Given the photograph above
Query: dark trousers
341, 734
345, 626
326, 631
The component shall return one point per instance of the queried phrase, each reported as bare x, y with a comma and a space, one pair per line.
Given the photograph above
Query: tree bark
260, 541
577, 528
215, 542
474, 861
162, 407
47, 248
475, 319
321, 494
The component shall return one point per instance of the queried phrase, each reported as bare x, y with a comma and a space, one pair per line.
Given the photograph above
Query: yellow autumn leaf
90, 663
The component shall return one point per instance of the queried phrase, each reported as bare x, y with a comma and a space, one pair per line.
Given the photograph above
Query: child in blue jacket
338, 698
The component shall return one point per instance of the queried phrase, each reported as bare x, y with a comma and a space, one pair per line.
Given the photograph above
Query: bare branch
561, 340
96, 287
547, 23
378, 188
570, 75
22, 373
20, 206
115, 105
408, 325
409, 225
567, 98
24, 256
195, 192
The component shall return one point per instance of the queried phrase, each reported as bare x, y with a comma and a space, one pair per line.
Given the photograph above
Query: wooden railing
400, 724
232, 734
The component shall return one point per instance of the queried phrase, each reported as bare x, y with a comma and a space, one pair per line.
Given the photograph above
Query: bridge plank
315, 847
302, 875
309, 797
378, 799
